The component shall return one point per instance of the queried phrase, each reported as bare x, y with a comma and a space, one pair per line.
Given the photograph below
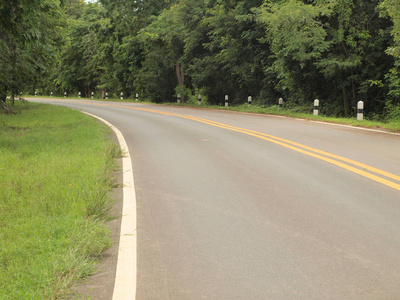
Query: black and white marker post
360, 111
137, 97
316, 107
79, 94
106, 95
226, 101
280, 102
122, 96
178, 100
65, 94
199, 100
249, 100
92, 95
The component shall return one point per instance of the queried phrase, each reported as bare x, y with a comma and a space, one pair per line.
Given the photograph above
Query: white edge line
349, 126
359, 128
126, 275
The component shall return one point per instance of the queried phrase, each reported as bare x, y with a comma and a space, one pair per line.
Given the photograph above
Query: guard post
316, 107
360, 111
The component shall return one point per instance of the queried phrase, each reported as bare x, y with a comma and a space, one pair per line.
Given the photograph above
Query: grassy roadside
56, 170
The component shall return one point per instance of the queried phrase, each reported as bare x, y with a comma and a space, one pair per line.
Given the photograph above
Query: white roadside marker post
360, 111
226, 101
178, 100
249, 99
316, 107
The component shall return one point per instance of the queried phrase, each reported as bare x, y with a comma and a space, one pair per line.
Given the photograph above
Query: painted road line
316, 153
341, 158
126, 275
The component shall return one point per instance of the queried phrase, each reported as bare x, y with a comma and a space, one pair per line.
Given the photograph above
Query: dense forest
339, 51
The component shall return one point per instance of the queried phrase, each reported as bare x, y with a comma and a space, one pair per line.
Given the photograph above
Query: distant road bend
239, 206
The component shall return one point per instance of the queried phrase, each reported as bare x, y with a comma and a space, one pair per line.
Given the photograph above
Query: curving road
239, 206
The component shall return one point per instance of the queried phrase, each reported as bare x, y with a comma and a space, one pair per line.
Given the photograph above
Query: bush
392, 111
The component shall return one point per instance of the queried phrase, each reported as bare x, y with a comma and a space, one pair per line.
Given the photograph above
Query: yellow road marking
316, 153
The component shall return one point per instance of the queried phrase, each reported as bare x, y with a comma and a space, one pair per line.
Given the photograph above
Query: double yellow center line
383, 177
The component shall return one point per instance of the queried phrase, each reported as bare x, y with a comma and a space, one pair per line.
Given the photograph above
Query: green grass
56, 169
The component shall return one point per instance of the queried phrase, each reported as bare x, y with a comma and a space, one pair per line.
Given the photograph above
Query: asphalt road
238, 206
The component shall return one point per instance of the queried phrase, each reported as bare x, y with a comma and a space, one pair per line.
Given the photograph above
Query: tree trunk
180, 75
4, 106
354, 91
345, 103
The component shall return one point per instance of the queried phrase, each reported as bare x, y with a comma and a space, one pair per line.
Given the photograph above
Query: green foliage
337, 51
28, 32
391, 8
84, 54
330, 50
393, 78
297, 40
392, 111
232, 60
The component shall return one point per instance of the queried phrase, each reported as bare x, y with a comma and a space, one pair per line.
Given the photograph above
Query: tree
28, 29
125, 54
391, 8
83, 55
234, 58
328, 49
211, 46
164, 44
340, 51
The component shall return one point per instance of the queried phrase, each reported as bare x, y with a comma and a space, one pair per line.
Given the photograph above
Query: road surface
239, 206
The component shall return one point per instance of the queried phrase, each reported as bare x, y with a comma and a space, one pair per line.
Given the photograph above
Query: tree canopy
29, 31
339, 51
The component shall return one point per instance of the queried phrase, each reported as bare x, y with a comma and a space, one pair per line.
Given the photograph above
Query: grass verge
56, 171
